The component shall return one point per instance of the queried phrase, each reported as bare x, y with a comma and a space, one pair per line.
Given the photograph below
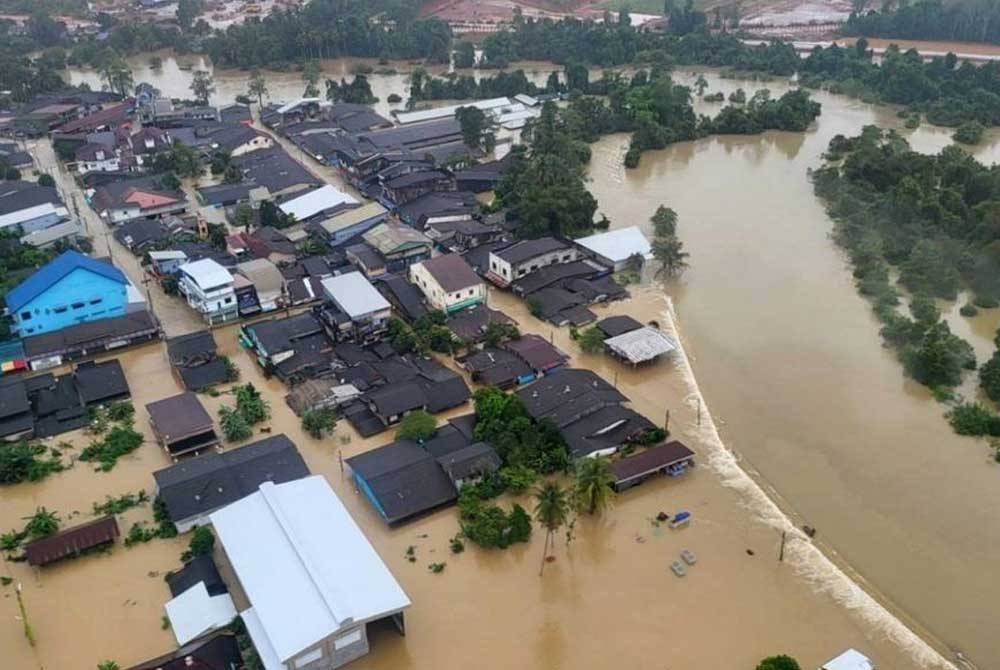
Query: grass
637, 6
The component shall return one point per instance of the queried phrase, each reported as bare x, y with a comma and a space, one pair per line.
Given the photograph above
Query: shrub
968, 310
202, 543
122, 412
780, 662
122, 503
436, 568
591, 340
24, 461
518, 478
989, 377
316, 422
119, 441
970, 132
417, 425
974, 419
234, 425
456, 545
251, 405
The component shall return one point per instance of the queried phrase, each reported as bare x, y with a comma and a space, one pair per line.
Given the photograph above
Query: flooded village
298, 316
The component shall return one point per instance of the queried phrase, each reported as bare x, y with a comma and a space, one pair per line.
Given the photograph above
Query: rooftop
207, 274
329, 575
354, 294
389, 237
316, 202
639, 346
71, 541
52, 272
178, 417
617, 245
451, 272
528, 249
650, 460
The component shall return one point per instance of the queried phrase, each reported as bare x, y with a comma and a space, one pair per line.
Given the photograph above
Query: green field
637, 6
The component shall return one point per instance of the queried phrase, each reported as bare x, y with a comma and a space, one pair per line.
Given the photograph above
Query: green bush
968, 310
417, 425
318, 422
202, 543
974, 419
780, 662
234, 425
989, 377
120, 440
25, 461
518, 478
970, 132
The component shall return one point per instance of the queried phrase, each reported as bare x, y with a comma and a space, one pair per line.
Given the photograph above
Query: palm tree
42, 523
258, 87
592, 490
551, 510
670, 252
108, 665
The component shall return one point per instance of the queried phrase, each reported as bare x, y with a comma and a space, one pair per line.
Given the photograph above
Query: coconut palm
258, 87
41, 523
592, 490
552, 511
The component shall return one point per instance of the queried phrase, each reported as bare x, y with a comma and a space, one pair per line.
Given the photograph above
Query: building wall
511, 272
443, 300
260, 142
78, 297
111, 164
216, 305
39, 222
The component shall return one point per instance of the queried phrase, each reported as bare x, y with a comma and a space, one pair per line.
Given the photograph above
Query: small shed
71, 541
181, 424
673, 458
852, 659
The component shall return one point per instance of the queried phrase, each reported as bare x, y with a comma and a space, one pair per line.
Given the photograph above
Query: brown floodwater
790, 360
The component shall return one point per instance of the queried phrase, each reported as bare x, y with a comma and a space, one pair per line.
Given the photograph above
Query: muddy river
789, 360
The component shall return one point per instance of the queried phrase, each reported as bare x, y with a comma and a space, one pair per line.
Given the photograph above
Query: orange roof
148, 199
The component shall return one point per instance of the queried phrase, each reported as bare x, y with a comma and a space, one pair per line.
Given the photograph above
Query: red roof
71, 541
148, 199
112, 116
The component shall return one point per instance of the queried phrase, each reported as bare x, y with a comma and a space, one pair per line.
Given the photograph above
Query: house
470, 464
460, 236
437, 207
28, 207
320, 394
312, 580
16, 419
100, 383
470, 325
448, 112
400, 245
852, 659
365, 258
198, 569
167, 262
345, 225
537, 353
71, 541
497, 367
141, 234
293, 348
482, 176
148, 142
267, 282
67, 291
589, 413
412, 185
208, 288
219, 651
367, 312
193, 358
613, 326
90, 338
272, 169
323, 201
235, 139
616, 248
672, 458
448, 283
14, 157
93, 157
235, 113
640, 346
405, 298
123, 201
401, 480
194, 488
182, 425
270, 243
521, 258
392, 402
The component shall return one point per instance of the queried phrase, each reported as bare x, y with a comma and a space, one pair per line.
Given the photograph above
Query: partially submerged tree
417, 425
552, 511
258, 87
592, 490
203, 86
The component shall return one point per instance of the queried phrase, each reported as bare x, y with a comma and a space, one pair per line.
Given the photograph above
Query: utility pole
781, 552
666, 421
699, 411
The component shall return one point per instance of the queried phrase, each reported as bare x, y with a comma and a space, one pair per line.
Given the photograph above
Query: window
96, 301
471, 291
227, 301
77, 305
308, 657
345, 640
26, 315
59, 310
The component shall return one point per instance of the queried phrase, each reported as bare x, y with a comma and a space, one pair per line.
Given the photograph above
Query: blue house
70, 290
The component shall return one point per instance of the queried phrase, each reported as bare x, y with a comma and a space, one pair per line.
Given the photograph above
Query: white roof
354, 294
449, 111
207, 273
167, 255
289, 106
642, 344
316, 201
852, 659
351, 217
526, 99
305, 566
265, 652
195, 613
51, 234
29, 213
265, 276
617, 245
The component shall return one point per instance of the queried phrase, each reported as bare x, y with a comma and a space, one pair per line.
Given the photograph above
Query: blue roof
54, 271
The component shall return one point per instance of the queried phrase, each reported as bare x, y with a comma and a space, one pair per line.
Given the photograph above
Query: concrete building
70, 290
616, 247
367, 312
208, 288
312, 579
521, 258
448, 283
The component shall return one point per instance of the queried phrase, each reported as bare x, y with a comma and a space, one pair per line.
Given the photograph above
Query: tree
498, 332
42, 523
108, 665
700, 84
234, 426
970, 132
474, 124
251, 404
311, 72
552, 510
417, 425
465, 55
989, 377
244, 217
317, 422
669, 251
116, 73
592, 489
664, 222
591, 340
780, 662
257, 87
187, 12
201, 544
203, 86
46, 180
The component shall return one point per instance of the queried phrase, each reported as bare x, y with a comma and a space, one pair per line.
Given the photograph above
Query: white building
208, 288
312, 579
521, 258
616, 247
267, 282
367, 311
448, 283
318, 201
852, 659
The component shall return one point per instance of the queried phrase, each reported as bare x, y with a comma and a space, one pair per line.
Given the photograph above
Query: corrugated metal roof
49, 274
71, 541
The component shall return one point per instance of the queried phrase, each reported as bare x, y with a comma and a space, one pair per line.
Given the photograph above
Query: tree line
970, 21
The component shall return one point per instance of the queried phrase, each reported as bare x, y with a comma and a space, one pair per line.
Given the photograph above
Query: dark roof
394, 399
220, 652
367, 256
608, 427
13, 399
404, 478
613, 326
222, 194
470, 324
487, 358
202, 376
115, 194
404, 296
527, 249
437, 203
71, 541
412, 136
277, 335
140, 233
17, 195
55, 270
536, 352
89, 335
234, 113
476, 459
445, 394
465, 424
415, 178
447, 440
451, 272
179, 417
555, 276
557, 394
196, 347
198, 569
205, 483
101, 382
650, 460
